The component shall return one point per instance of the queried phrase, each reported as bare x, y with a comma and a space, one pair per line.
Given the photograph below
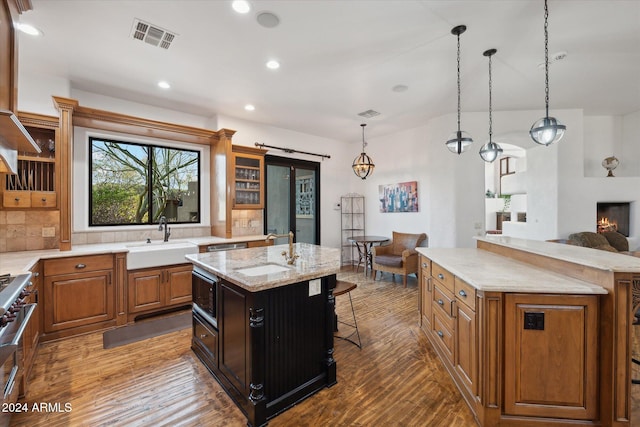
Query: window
134, 184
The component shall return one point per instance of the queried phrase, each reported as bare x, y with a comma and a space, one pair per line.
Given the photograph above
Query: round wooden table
364, 245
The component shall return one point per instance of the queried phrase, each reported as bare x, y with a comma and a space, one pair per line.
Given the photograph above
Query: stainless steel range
15, 315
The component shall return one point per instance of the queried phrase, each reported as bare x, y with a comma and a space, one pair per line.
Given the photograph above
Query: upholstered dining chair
398, 257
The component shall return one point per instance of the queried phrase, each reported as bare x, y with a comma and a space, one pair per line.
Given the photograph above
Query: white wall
35, 92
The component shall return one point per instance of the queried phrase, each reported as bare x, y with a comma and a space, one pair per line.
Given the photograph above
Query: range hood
13, 138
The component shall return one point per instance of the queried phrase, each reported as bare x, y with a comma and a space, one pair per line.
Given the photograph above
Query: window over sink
135, 183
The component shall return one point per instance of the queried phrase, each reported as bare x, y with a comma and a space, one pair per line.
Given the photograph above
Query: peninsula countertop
489, 272
314, 262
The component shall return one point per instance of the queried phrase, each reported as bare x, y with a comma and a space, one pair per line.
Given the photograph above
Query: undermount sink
143, 255
263, 269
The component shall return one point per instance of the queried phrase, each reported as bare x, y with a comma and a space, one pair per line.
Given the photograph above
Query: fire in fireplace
613, 217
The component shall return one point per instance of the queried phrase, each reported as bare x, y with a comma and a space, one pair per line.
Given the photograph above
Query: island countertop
489, 272
314, 262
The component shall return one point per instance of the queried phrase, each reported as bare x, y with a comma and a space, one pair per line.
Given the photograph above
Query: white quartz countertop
242, 266
595, 258
489, 272
20, 262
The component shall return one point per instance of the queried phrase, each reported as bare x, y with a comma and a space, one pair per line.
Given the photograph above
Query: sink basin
263, 269
143, 255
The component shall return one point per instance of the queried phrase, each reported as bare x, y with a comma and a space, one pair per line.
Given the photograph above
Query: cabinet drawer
442, 276
207, 337
16, 199
78, 264
43, 199
444, 334
443, 300
425, 265
465, 292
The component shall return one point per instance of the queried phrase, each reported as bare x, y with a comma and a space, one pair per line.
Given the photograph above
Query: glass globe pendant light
547, 130
490, 151
459, 141
363, 165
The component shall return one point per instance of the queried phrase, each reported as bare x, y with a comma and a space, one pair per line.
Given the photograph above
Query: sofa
611, 241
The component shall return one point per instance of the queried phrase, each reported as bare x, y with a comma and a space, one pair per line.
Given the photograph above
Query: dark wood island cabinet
264, 328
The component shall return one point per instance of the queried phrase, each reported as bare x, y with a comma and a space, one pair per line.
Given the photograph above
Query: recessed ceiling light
273, 64
241, 6
164, 85
28, 29
268, 19
249, 107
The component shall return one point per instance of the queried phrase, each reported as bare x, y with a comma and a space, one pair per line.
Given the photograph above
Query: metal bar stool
346, 288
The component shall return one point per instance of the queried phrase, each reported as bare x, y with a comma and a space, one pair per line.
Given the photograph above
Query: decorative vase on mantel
610, 163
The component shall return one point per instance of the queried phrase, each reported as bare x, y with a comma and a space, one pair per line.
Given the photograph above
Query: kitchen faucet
167, 230
291, 257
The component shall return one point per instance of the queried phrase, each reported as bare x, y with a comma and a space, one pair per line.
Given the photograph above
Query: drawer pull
81, 265
440, 302
424, 265
441, 276
43, 199
17, 199
203, 336
440, 334
462, 293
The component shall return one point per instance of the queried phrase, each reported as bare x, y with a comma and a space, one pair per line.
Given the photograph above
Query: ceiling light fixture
28, 29
249, 107
164, 85
547, 130
490, 151
363, 165
273, 64
459, 141
241, 6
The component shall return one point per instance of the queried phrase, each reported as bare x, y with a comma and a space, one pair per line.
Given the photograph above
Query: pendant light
547, 130
490, 151
459, 141
363, 165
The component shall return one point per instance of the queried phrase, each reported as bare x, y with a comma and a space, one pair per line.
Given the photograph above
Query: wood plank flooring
395, 380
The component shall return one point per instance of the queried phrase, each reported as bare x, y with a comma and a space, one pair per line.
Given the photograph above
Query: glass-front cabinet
247, 184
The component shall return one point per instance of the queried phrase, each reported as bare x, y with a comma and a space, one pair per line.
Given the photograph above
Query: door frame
293, 164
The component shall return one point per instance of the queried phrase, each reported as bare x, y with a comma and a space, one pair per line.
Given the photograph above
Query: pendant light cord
458, 59
363, 125
490, 119
546, 58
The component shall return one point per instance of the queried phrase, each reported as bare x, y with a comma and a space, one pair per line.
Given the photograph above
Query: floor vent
152, 34
369, 113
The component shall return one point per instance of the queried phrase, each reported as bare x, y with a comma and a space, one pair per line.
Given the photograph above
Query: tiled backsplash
29, 230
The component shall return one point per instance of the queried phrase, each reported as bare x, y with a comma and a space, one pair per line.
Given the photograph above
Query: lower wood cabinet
155, 289
79, 294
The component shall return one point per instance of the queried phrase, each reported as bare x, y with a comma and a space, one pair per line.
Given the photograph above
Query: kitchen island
263, 327
533, 333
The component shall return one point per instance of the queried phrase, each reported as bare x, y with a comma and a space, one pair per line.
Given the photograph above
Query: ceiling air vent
152, 34
369, 113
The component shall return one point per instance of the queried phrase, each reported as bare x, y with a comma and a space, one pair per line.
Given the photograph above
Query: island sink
261, 270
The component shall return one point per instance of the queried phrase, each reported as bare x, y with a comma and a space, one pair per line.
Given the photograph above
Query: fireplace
613, 217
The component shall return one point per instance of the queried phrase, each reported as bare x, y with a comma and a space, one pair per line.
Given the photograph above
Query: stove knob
25, 293
3, 321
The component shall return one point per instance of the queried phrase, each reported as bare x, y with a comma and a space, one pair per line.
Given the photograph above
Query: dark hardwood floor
395, 380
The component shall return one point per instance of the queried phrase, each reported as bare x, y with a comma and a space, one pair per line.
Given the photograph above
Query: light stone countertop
595, 258
489, 272
20, 262
314, 262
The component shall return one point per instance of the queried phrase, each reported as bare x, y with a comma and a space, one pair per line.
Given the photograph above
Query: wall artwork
402, 197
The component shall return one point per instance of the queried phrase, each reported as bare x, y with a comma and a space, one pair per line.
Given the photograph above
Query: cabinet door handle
81, 265
462, 293
429, 284
440, 302
441, 276
440, 334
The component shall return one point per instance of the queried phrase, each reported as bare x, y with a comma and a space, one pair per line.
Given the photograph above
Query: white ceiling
340, 58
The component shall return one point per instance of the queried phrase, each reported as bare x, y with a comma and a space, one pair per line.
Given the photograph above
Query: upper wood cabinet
247, 169
35, 184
